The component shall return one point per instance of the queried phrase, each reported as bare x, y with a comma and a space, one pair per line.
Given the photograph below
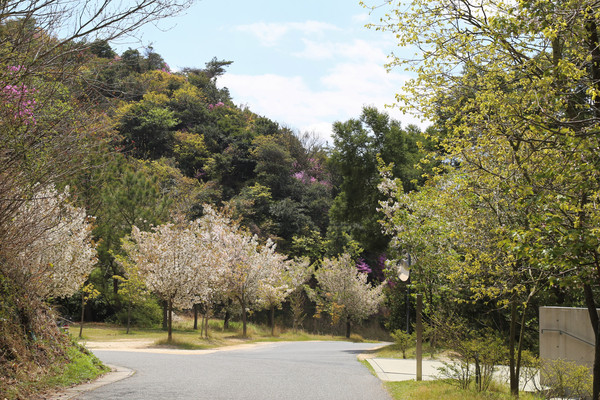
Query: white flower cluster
56, 254
342, 284
209, 259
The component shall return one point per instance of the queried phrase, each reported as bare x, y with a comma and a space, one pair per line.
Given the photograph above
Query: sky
304, 64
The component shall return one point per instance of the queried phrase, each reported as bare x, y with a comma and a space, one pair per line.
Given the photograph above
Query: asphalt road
297, 370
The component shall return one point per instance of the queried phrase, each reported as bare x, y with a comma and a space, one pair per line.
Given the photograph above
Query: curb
115, 374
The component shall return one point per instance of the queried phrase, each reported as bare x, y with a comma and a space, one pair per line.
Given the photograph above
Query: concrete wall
566, 333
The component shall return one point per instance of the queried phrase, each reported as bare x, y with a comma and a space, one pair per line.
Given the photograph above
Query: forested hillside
174, 141
97, 144
130, 191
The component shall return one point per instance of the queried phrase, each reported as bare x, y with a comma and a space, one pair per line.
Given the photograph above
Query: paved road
297, 370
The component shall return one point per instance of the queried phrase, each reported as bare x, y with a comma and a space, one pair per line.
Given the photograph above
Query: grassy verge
185, 337
82, 366
439, 389
78, 366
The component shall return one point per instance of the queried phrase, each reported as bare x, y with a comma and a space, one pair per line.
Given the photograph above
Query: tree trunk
165, 315
196, 318
243, 304
226, 320
272, 320
514, 379
227, 315
82, 315
128, 317
593, 313
206, 325
170, 321
348, 327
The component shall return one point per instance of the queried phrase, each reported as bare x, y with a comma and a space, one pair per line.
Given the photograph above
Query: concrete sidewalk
395, 370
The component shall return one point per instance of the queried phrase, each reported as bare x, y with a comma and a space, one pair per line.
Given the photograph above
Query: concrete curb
115, 374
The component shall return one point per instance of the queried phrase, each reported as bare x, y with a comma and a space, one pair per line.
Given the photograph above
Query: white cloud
357, 50
341, 95
269, 34
361, 18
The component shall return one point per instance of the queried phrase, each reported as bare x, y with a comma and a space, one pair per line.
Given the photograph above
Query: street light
404, 274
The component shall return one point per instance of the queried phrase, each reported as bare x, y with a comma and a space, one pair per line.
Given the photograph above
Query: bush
565, 379
474, 361
403, 340
144, 315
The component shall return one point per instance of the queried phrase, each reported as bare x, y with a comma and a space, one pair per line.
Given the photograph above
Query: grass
83, 366
185, 337
440, 389
436, 389
79, 366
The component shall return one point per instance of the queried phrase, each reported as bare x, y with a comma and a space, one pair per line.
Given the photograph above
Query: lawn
437, 389
185, 337
441, 389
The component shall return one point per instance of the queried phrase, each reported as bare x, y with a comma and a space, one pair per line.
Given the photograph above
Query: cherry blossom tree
211, 231
167, 260
282, 277
51, 251
344, 292
244, 271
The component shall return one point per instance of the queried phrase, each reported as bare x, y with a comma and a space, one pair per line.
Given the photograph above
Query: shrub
566, 379
475, 360
144, 315
403, 340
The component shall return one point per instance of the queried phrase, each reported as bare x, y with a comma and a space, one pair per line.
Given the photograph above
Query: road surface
281, 371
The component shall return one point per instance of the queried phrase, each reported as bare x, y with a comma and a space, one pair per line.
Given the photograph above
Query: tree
132, 287
53, 251
167, 260
283, 278
128, 197
147, 127
357, 143
344, 292
517, 85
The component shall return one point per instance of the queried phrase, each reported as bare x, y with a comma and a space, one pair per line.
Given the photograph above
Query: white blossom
56, 252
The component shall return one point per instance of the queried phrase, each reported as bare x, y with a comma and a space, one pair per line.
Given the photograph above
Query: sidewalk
395, 370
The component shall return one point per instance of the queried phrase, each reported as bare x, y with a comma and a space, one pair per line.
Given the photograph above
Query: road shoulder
115, 374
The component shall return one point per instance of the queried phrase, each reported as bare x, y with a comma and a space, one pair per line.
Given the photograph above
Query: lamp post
404, 275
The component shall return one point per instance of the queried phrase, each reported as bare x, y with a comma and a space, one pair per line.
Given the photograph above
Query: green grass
439, 389
185, 337
393, 351
80, 366
83, 366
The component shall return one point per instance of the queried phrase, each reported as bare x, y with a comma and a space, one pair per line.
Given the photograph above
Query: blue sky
304, 64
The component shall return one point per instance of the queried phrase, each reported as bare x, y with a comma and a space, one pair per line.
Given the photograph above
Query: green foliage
146, 126
566, 379
357, 144
403, 340
145, 314
476, 354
